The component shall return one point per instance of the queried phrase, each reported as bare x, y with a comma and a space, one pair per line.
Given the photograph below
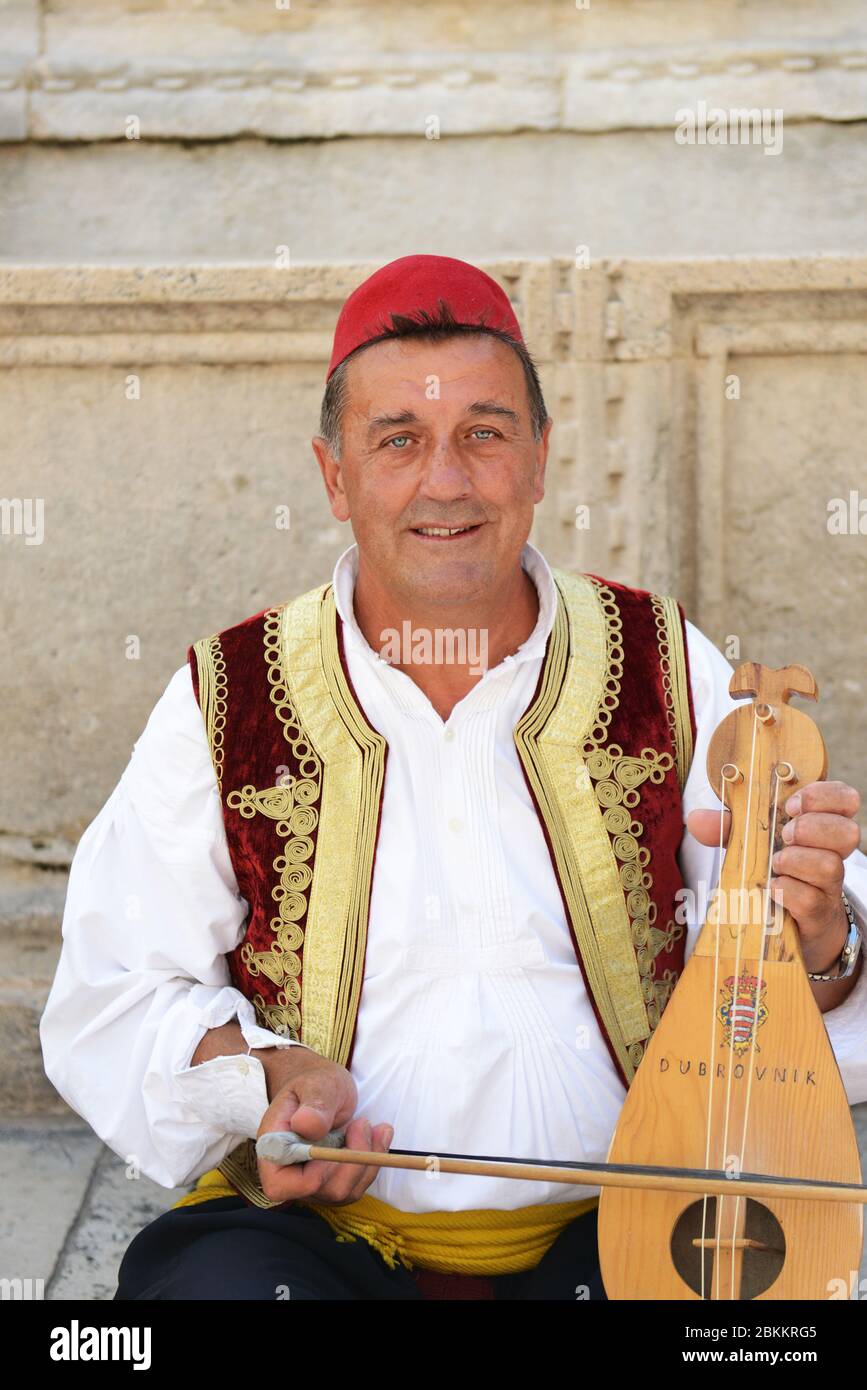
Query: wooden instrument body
740, 1075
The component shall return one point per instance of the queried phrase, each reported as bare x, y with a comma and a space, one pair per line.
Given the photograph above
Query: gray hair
436, 327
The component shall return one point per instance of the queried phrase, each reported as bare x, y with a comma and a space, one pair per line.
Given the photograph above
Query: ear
541, 461
332, 476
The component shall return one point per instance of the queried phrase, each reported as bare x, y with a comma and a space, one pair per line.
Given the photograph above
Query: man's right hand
312, 1095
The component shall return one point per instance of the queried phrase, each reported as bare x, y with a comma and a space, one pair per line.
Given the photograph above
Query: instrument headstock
772, 687
767, 741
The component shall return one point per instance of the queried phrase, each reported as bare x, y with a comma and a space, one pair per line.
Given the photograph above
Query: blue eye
398, 436
483, 429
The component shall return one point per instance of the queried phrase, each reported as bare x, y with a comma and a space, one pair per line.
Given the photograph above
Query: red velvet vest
605, 745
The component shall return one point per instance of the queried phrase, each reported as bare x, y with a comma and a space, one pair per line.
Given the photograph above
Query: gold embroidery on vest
241, 1167
675, 682
292, 805
587, 791
274, 802
616, 781
347, 757
353, 753
669, 636
212, 697
548, 738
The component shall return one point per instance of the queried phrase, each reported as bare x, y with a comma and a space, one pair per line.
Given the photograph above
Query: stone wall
176, 131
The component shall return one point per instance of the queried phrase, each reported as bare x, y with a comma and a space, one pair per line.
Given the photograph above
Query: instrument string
765, 906
733, 1020
711, 1050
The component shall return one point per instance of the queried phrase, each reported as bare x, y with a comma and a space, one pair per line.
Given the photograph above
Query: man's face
437, 435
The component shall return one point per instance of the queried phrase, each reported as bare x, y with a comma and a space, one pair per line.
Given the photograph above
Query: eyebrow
408, 417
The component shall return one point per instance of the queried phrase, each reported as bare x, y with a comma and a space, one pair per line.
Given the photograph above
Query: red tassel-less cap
419, 282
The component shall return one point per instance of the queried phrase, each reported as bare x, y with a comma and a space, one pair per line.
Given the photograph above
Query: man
434, 897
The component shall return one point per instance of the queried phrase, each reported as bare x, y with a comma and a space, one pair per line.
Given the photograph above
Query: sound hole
760, 1248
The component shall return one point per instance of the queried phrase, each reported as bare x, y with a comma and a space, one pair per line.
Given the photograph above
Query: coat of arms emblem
742, 1011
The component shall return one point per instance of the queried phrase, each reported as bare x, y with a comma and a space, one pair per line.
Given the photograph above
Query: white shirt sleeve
846, 1025
152, 909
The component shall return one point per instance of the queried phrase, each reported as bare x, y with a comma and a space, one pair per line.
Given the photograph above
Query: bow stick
286, 1148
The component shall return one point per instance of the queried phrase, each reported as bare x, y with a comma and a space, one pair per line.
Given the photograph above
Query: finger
317, 1178
818, 868
319, 1100
381, 1138
336, 1183
292, 1182
324, 1100
346, 1181
823, 830
704, 826
837, 797
822, 928
807, 904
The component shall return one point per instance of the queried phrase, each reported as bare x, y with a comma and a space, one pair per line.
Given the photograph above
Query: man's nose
445, 473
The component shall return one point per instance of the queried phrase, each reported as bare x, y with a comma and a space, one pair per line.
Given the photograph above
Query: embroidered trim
669, 635
353, 759
241, 1167
343, 758
292, 804
326, 730
548, 738
606, 878
616, 781
213, 691
274, 802
371, 775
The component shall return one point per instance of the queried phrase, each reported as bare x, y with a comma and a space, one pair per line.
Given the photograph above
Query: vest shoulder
627, 594
249, 630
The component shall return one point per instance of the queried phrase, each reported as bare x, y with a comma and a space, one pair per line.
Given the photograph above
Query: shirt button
449, 735
455, 824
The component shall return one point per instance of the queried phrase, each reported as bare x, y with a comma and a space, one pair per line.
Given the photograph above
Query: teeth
441, 530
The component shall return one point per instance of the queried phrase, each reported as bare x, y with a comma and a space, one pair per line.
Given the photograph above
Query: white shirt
475, 1033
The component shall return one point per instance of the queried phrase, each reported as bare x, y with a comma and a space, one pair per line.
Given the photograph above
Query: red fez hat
412, 283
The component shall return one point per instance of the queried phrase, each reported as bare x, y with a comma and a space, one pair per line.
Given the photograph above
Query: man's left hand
808, 871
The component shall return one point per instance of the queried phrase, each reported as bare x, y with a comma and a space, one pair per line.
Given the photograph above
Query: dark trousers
224, 1249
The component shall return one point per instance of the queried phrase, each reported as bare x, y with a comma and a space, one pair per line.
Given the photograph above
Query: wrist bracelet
850, 952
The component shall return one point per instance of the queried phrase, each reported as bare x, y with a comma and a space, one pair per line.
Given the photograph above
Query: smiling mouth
445, 533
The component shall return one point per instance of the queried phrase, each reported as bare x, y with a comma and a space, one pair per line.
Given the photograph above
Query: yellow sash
481, 1242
